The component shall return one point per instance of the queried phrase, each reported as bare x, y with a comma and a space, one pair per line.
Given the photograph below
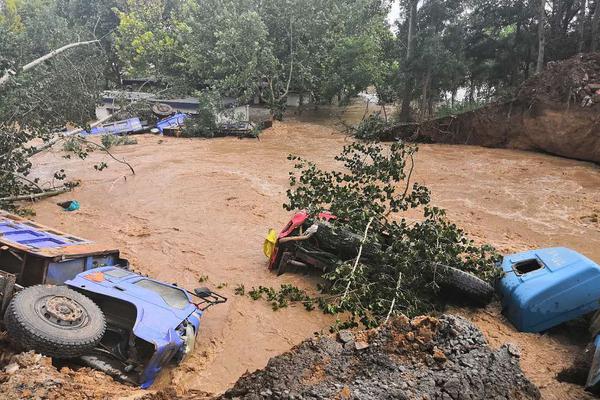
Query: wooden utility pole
541, 36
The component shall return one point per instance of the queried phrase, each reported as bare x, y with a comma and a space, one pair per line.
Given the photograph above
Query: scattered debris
448, 358
71, 205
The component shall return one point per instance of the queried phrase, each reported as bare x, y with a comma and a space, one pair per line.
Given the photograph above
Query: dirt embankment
556, 112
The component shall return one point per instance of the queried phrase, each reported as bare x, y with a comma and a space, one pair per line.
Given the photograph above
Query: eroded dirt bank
202, 207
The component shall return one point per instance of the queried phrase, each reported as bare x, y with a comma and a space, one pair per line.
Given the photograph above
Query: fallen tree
10, 73
382, 263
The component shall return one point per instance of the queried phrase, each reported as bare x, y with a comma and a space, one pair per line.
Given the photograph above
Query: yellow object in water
270, 241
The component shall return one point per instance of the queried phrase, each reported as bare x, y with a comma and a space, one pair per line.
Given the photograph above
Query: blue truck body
544, 288
172, 122
149, 323
158, 319
131, 125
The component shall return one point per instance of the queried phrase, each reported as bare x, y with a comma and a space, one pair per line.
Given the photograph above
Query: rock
513, 350
438, 355
345, 336
453, 362
11, 368
361, 345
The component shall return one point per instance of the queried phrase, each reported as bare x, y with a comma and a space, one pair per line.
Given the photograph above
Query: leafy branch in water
373, 186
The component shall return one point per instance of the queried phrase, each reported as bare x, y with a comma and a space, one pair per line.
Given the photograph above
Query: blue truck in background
70, 298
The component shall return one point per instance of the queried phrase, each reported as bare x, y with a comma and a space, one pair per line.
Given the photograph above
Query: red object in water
297, 220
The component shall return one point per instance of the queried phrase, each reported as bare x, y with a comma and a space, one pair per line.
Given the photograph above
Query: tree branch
4, 79
36, 196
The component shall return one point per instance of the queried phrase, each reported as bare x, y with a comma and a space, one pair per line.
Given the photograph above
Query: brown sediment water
199, 208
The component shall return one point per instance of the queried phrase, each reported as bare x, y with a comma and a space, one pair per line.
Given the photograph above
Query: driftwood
36, 196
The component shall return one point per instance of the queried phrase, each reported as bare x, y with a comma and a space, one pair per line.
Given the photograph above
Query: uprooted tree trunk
7, 75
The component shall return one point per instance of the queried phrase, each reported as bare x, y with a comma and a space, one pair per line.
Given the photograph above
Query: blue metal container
544, 288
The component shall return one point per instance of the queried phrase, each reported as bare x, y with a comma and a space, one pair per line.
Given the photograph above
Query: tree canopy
440, 54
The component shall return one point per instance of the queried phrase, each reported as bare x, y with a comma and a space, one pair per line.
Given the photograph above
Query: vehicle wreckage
538, 289
69, 298
544, 288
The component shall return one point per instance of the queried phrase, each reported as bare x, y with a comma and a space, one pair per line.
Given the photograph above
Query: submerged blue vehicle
69, 298
150, 324
543, 288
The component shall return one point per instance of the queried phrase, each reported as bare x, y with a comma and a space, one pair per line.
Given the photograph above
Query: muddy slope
426, 358
557, 112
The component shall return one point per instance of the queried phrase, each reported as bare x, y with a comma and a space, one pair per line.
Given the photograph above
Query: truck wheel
55, 321
476, 290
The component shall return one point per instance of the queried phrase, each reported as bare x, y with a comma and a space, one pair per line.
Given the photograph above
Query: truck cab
68, 297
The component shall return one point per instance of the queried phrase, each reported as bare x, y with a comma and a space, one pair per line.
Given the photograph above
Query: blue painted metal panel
564, 287
30, 236
156, 321
130, 125
174, 121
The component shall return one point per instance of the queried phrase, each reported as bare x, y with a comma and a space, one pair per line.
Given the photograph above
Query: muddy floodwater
199, 209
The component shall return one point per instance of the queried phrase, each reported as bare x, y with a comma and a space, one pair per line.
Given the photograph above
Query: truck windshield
172, 296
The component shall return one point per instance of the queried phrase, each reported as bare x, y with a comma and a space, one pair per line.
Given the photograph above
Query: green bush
372, 127
109, 141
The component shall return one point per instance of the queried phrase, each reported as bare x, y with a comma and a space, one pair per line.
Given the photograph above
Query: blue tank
544, 288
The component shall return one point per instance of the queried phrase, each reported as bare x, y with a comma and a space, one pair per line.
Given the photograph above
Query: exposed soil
202, 207
556, 112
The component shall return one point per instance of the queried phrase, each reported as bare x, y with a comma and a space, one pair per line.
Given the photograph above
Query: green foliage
372, 188
372, 127
447, 109
109, 141
205, 123
64, 89
281, 298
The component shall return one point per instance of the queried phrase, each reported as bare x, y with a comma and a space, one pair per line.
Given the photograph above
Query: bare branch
4, 79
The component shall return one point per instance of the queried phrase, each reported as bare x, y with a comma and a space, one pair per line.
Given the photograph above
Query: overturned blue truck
70, 298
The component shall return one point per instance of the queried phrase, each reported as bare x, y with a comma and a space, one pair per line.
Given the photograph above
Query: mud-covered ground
199, 208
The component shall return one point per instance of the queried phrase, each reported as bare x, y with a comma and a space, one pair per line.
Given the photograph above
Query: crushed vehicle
544, 288
126, 126
69, 298
319, 243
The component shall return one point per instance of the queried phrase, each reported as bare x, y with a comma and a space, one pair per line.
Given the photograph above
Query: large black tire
456, 282
55, 321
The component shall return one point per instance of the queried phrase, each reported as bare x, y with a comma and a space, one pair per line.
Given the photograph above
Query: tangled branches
373, 186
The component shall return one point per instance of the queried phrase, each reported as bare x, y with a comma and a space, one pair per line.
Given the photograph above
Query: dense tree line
440, 54
328, 50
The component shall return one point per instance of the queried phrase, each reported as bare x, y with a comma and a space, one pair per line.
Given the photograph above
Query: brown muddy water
200, 208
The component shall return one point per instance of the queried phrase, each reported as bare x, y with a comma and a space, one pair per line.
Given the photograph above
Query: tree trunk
595, 26
424, 98
407, 95
581, 25
541, 36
